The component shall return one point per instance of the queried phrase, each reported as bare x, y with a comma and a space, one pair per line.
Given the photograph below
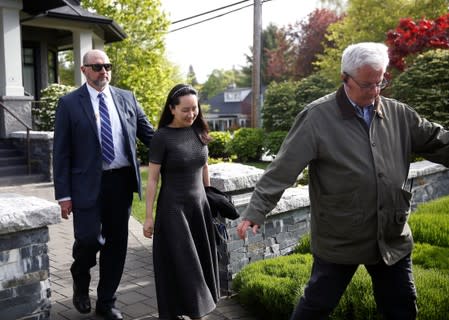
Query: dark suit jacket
77, 160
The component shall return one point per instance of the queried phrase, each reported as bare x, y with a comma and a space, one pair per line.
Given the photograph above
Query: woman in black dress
184, 250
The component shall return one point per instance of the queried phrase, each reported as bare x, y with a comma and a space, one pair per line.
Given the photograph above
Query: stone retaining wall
290, 219
24, 264
41, 150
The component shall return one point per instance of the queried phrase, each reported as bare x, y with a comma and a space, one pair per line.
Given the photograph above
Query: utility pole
257, 44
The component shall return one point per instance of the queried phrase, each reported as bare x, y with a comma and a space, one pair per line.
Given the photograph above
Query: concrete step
13, 170
9, 152
21, 179
9, 161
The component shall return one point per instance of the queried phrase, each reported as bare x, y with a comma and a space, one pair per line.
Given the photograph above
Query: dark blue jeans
393, 286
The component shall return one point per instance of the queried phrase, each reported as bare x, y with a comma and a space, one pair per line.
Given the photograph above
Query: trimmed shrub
358, 300
430, 222
218, 145
303, 245
271, 287
247, 144
433, 292
428, 256
44, 112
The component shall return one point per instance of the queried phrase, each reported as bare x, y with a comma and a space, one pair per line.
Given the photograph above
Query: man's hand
66, 208
148, 228
245, 224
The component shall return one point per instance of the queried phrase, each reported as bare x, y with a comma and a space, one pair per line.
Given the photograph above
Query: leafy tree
139, 61
411, 37
369, 20
284, 100
311, 40
218, 81
191, 77
269, 42
281, 60
66, 68
425, 86
294, 48
279, 105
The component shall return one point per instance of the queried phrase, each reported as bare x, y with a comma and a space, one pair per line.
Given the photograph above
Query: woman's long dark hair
199, 125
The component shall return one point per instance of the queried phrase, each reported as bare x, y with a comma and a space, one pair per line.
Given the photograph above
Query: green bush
425, 86
273, 141
247, 144
218, 145
45, 110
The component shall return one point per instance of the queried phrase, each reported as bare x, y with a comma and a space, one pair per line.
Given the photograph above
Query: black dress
184, 251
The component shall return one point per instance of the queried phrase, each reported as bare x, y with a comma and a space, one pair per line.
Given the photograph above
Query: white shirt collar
94, 92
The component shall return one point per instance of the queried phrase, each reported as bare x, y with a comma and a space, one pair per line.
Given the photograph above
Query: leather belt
116, 170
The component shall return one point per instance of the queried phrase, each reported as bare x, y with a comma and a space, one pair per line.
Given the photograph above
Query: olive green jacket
359, 209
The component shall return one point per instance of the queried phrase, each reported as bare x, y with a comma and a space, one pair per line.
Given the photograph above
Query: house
230, 109
32, 34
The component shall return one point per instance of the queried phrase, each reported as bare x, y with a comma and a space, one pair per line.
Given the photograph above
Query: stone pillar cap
18, 212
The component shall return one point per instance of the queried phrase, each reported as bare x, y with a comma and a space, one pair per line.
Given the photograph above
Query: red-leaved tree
311, 40
412, 37
298, 46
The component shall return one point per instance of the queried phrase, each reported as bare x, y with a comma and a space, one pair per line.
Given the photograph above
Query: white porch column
82, 42
98, 43
10, 49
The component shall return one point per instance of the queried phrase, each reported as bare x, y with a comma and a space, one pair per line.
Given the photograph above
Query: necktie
107, 143
368, 114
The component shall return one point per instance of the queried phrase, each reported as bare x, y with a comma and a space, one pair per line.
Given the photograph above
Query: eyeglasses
97, 67
381, 85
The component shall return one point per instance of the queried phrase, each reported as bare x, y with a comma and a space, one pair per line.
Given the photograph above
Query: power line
214, 17
211, 18
207, 12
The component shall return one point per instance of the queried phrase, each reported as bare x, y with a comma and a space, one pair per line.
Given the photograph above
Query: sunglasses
97, 67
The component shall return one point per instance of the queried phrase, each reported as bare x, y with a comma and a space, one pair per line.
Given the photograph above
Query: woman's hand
148, 228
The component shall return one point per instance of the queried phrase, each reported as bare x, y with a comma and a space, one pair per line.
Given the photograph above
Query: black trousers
103, 228
393, 286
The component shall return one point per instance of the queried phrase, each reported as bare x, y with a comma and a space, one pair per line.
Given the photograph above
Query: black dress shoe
109, 313
81, 303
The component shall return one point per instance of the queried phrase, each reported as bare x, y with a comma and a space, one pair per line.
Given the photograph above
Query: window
52, 67
29, 83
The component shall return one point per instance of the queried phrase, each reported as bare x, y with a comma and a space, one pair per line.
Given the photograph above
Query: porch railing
28, 141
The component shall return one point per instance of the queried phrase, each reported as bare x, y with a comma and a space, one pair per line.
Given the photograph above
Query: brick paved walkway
136, 296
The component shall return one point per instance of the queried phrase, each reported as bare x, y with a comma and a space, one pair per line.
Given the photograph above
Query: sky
223, 42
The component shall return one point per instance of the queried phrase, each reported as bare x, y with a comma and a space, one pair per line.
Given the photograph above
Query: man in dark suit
95, 174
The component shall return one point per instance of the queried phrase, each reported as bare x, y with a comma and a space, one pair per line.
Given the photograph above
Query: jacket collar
347, 109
